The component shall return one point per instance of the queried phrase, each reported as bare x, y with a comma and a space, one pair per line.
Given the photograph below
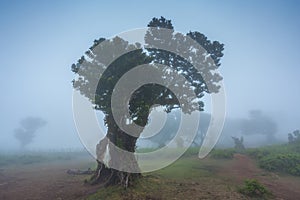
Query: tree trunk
110, 146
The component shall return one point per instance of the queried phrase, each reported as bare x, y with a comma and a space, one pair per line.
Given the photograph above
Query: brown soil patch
242, 167
43, 181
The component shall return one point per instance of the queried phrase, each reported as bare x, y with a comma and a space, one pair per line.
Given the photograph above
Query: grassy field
38, 157
224, 174
187, 178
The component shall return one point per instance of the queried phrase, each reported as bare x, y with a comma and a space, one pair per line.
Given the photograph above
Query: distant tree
89, 67
294, 137
27, 130
239, 144
203, 126
259, 124
291, 138
167, 133
179, 142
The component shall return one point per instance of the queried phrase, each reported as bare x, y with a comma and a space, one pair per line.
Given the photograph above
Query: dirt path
282, 186
43, 181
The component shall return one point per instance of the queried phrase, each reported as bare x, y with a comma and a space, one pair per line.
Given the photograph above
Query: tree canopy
94, 64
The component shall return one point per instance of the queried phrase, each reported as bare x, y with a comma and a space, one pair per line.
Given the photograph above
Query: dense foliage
280, 158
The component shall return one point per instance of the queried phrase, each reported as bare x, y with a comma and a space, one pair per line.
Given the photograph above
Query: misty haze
150, 100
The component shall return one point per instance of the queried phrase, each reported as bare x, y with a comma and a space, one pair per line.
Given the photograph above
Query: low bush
280, 158
222, 153
258, 153
253, 188
289, 163
192, 151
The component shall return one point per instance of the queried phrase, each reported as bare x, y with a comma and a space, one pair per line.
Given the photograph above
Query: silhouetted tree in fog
239, 144
27, 130
294, 137
259, 124
90, 67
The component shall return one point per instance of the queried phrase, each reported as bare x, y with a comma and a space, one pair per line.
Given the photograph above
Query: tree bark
110, 146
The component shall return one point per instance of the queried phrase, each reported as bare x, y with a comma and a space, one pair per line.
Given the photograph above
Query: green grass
186, 168
192, 178
149, 187
187, 175
36, 157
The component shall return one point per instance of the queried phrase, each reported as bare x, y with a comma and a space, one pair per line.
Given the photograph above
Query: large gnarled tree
96, 63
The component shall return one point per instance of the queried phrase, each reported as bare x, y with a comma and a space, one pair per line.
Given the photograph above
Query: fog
40, 40
257, 129
27, 130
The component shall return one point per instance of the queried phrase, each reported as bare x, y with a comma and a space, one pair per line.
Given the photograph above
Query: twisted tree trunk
110, 147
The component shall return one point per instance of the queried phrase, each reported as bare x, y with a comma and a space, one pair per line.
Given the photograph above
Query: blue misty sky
41, 39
